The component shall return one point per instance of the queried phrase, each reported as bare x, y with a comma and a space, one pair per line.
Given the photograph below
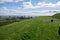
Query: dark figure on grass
59, 31
52, 20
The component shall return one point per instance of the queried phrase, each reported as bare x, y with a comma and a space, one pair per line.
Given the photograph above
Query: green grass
57, 16
34, 29
6, 21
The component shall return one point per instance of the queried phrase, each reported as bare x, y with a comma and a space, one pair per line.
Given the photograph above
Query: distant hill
57, 16
40, 28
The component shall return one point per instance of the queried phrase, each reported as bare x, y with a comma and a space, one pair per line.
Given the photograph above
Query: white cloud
50, 5
27, 5
2, 1
41, 4
58, 3
6, 11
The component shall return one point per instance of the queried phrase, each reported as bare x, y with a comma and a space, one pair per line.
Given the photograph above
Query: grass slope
57, 16
34, 29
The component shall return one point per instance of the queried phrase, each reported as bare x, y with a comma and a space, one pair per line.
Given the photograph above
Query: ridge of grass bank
57, 16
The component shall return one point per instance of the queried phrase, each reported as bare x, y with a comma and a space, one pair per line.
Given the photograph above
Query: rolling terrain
40, 28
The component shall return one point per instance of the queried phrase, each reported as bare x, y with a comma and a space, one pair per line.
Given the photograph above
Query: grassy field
6, 21
40, 28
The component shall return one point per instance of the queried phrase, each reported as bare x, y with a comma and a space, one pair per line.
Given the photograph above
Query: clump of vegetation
9, 19
25, 36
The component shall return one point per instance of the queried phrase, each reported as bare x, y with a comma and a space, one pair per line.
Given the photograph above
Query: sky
25, 7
